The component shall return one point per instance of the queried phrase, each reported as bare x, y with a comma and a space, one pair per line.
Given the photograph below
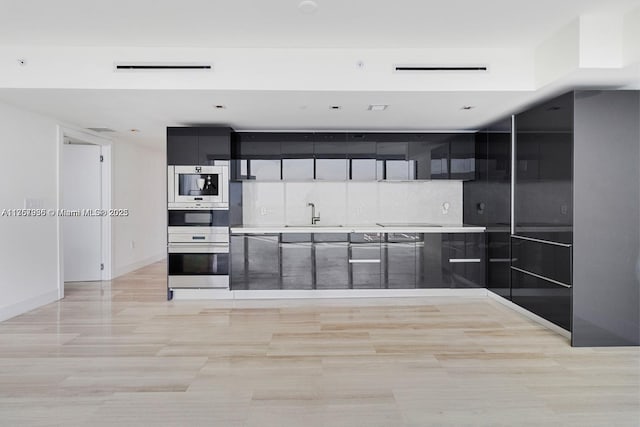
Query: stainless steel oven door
198, 187
198, 266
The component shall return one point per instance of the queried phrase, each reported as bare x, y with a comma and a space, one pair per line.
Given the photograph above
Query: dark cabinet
546, 299
296, 258
464, 259
182, 146
399, 260
330, 152
331, 256
198, 145
213, 144
255, 262
361, 154
365, 261
455, 260
462, 152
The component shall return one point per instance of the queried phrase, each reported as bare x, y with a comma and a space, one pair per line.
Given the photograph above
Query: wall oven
198, 187
198, 265
198, 249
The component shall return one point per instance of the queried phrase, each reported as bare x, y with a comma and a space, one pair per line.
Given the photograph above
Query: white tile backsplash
263, 203
362, 203
351, 202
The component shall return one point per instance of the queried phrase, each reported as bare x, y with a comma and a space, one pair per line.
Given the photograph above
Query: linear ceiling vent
101, 130
162, 66
440, 68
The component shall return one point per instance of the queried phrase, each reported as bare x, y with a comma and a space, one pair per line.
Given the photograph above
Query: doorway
84, 200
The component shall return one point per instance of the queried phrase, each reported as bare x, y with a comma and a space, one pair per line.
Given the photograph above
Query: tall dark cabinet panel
606, 258
487, 201
543, 213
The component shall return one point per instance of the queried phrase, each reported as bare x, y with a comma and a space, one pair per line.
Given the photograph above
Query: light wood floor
118, 353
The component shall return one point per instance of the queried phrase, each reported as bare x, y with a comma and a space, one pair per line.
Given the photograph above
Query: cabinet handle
556, 282
364, 261
198, 237
463, 260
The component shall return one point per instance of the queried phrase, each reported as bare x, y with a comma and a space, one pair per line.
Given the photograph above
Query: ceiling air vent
102, 130
440, 68
162, 66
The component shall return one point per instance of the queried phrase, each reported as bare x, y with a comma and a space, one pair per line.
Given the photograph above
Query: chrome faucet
314, 218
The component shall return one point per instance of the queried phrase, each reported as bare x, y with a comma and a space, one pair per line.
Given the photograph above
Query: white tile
362, 203
392, 201
425, 202
263, 203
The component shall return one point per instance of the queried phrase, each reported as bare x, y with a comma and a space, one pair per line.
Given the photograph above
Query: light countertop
359, 228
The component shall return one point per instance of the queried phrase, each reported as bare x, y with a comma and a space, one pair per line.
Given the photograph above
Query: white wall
28, 246
351, 202
140, 186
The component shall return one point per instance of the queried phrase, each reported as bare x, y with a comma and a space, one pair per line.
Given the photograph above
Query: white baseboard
28, 305
530, 315
184, 294
119, 271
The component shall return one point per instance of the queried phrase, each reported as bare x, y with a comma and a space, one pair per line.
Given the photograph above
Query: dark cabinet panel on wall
544, 170
198, 145
182, 146
330, 152
361, 152
331, 263
548, 300
365, 261
498, 262
213, 144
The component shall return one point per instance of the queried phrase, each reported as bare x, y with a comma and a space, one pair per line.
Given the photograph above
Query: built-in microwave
198, 187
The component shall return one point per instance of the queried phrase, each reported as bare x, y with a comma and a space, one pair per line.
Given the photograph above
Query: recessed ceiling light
377, 107
335, 107
135, 130
307, 7
219, 107
467, 107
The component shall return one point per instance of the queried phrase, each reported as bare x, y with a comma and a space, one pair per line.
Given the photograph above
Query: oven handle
189, 248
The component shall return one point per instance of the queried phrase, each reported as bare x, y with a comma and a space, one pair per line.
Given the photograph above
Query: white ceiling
151, 111
279, 23
442, 25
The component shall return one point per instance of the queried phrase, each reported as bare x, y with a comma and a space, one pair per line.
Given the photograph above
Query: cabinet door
464, 259
498, 263
213, 144
399, 260
463, 157
258, 156
330, 150
297, 156
393, 158
331, 264
365, 261
430, 272
548, 300
255, 261
362, 157
182, 146
296, 256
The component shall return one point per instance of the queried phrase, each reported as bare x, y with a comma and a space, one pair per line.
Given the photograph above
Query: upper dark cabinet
198, 145
463, 164
213, 144
182, 146
296, 145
